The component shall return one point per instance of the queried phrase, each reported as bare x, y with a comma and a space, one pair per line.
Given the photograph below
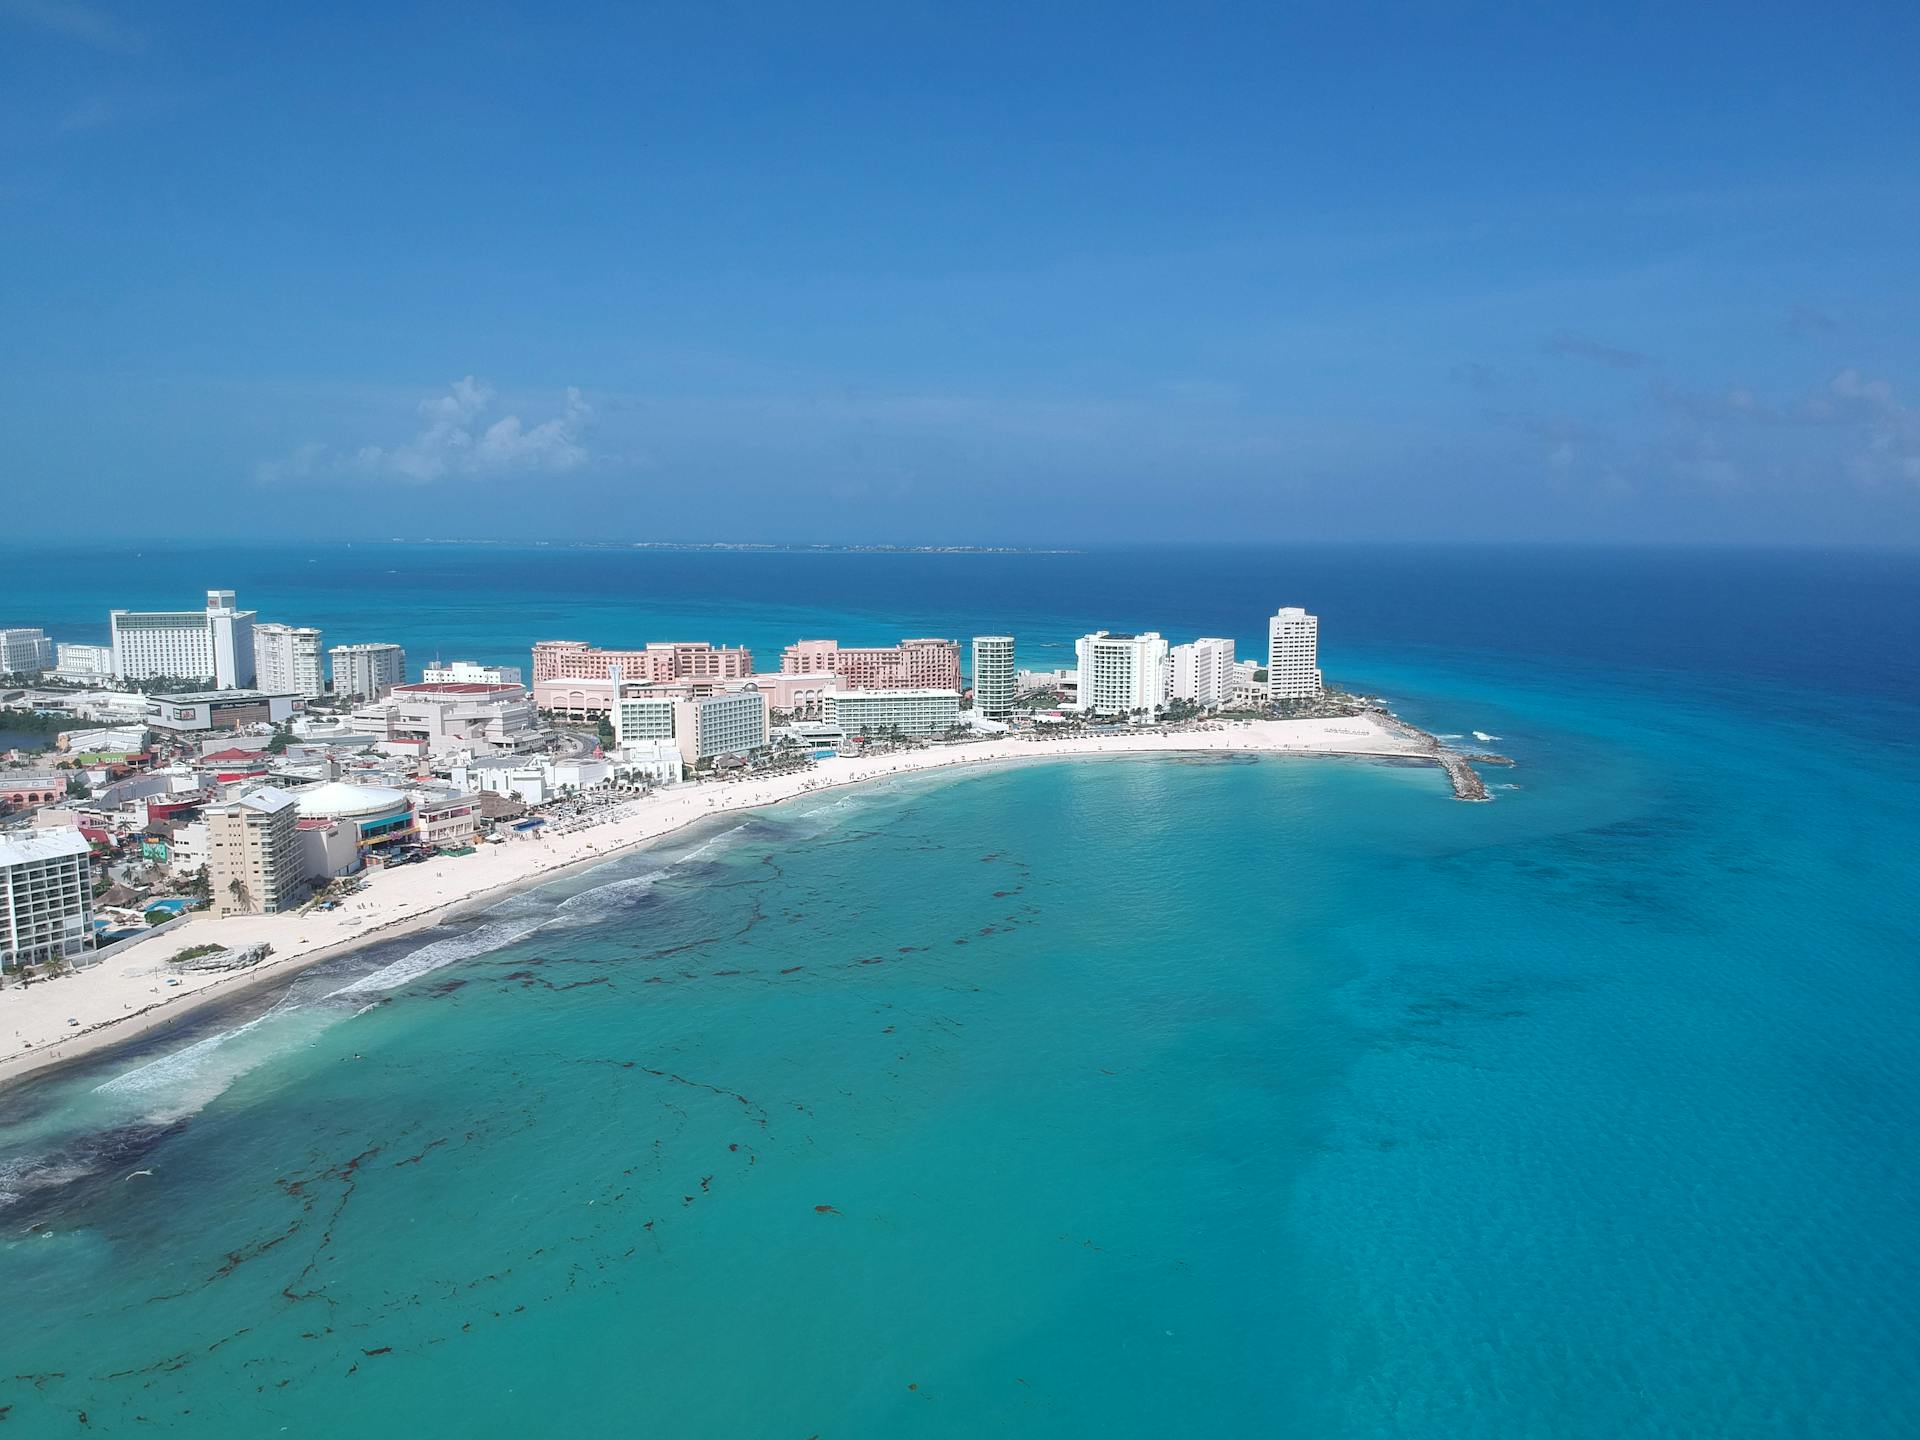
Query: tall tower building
211, 644
1121, 674
253, 853
1293, 655
366, 672
993, 676
230, 629
286, 660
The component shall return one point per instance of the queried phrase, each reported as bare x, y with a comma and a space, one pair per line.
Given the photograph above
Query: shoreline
125, 998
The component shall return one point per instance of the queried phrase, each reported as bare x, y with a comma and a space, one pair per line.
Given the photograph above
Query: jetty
1466, 781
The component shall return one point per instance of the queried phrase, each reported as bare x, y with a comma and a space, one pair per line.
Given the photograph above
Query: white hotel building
366, 672
286, 660
1201, 673
46, 898
993, 672
701, 727
216, 642
1293, 655
1122, 673
881, 712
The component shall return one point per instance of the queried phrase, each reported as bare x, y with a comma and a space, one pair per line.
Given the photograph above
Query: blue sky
931, 273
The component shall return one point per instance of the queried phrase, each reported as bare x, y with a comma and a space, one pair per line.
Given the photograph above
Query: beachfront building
46, 897
1201, 673
25, 651
918, 712
219, 709
215, 643
466, 672
485, 719
253, 853
1293, 655
910, 665
1121, 674
374, 815
83, 664
647, 762
993, 676
443, 816
286, 658
702, 727
366, 672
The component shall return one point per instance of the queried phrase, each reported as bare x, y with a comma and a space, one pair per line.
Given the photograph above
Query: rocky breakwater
1466, 781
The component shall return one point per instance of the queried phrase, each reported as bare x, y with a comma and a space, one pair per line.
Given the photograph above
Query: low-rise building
83, 664
220, 709
46, 898
24, 792
466, 672
443, 816
918, 712
484, 718
377, 815
254, 864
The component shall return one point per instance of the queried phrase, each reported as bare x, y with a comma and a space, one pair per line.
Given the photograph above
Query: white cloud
455, 440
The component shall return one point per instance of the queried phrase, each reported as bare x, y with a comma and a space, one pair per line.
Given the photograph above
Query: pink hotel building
910, 665
575, 678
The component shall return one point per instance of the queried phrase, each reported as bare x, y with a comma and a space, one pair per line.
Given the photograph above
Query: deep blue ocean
1116, 1098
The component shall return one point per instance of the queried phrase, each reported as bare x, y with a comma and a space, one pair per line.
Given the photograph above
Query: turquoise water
1148, 1097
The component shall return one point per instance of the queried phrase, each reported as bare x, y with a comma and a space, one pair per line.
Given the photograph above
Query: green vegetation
194, 952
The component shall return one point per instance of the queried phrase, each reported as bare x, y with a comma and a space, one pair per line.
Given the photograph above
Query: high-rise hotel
215, 643
993, 684
1293, 655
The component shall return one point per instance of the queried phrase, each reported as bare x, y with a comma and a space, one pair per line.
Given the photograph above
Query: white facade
1201, 673
286, 660
25, 652
881, 712
1293, 655
647, 762
465, 672
231, 631
993, 676
701, 727
481, 718
83, 663
366, 672
46, 898
216, 642
1120, 674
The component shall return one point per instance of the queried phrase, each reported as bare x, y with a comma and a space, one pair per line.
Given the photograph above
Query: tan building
254, 862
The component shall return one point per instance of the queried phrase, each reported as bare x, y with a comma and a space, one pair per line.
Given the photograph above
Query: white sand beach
128, 994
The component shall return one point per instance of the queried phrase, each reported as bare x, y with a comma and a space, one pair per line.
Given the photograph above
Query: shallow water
1142, 1096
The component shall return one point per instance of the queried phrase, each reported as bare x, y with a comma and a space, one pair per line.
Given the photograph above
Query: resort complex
233, 817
